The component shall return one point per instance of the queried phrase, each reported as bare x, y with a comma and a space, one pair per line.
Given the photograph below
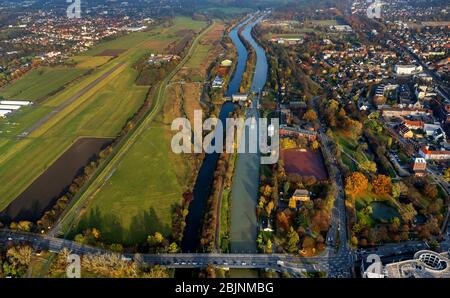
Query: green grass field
100, 112
40, 82
227, 11
90, 62
137, 198
325, 23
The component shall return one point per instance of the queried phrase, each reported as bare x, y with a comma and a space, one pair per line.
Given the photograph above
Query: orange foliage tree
382, 185
356, 183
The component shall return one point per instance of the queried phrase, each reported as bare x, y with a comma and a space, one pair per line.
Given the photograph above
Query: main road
189, 260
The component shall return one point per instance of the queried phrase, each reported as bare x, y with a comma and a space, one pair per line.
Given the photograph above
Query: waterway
203, 183
42, 194
244, 191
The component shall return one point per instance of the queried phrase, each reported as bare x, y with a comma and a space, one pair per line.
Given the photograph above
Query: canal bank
205, 177
244, 193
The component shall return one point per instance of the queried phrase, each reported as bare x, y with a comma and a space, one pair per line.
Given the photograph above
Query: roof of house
434, 152
301, 192
410, 123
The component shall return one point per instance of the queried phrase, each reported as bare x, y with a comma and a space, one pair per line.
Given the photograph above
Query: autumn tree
269, 208
315, 145
447, 174
382, 185
399, 188
356, 183
283, 221
292, 240
310, 115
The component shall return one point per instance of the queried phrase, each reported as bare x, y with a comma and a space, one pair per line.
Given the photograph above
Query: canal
244, 191
204, 181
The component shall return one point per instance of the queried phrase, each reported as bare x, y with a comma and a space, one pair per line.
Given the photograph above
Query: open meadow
104, 100
138, 197
39, 83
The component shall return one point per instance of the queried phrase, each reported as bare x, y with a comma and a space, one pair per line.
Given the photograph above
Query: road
191, 260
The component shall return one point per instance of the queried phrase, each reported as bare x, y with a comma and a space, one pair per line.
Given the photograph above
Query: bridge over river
325, 263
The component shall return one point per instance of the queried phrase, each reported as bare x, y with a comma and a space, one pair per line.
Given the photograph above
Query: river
204, 181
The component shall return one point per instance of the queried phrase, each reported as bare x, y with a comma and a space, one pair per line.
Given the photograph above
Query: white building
9, 107
239, 97
428, 154
3, 113
16, 102
407, 69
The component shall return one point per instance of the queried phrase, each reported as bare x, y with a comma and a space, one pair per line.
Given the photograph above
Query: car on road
10, 239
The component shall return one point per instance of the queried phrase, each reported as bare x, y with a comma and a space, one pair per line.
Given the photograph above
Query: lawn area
325, 23
90, 61
137, 199
101, 112
149, 180
350, 147
284, 35
40, 82
227, 11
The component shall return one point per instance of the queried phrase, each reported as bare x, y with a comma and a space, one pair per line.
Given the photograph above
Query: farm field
40, 82
90, 62
138, 197
100, 112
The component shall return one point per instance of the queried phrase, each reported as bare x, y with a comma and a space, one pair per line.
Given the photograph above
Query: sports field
137, 198
100, 112
304, 163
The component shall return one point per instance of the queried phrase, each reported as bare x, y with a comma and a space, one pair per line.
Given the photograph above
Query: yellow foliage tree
356, 183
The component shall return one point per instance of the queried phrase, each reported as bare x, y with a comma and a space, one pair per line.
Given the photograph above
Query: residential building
405, 132
428, 154
301, 195
419, 166
407, 69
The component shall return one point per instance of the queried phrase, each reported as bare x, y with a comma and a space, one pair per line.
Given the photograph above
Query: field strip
51, 121
70, 100
69, 216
